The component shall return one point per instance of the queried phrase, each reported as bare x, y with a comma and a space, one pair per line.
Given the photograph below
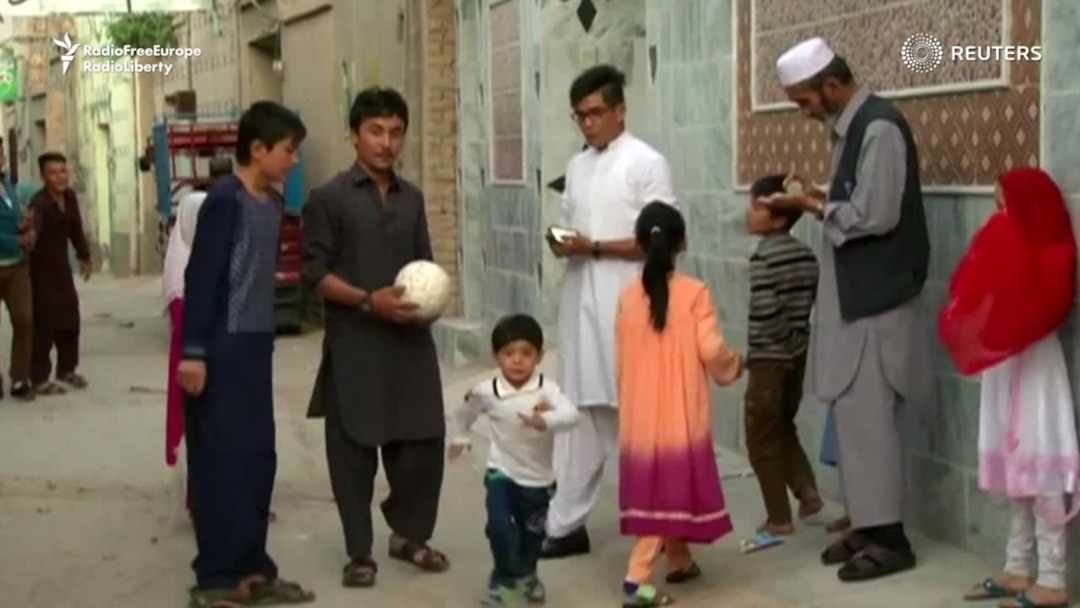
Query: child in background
1007, 298
177, 253
668, 343
783, 284
226, 368
524, 408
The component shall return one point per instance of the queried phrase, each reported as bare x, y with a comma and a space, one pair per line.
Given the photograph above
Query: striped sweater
783, 283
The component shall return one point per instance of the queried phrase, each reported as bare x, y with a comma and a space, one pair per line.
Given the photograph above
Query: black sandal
360, 573
420, 555
74, 381
50, 388
875, 562
843, 550
684, 574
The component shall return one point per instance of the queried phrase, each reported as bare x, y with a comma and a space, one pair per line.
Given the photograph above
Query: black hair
512, 328
220, 166
605, 79
267, 122
838, 68
772, 184
50, 157
660, 232
378, 102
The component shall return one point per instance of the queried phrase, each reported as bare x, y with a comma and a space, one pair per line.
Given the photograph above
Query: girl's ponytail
661, 233
659, 264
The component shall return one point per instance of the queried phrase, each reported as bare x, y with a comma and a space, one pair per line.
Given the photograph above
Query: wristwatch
596, 249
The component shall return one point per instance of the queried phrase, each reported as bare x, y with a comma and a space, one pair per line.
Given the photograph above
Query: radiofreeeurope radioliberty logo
117, 59
924, 53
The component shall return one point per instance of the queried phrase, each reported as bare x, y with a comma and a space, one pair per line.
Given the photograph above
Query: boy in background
226, 367
524, 409
783, 284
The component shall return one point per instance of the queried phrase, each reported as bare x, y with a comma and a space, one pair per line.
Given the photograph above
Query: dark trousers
67, 353
232, 463
515, 527
414, 470
16, 293
773, 394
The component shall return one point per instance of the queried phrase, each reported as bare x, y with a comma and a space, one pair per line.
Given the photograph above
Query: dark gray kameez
378, 385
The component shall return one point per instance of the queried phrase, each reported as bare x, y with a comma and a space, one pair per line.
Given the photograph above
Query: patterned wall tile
964, 139
505, 55
871, 38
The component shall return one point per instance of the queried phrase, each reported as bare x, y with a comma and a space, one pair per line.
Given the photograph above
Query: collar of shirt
504, 389
614, 144
360, 177
843, 122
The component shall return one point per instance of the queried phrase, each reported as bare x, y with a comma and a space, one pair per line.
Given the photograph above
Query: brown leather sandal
360, 573
420, 555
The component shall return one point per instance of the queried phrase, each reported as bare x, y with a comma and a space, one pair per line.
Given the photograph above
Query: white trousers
580, 457
1035, 542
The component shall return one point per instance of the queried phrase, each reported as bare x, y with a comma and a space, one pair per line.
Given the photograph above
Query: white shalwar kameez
605, 192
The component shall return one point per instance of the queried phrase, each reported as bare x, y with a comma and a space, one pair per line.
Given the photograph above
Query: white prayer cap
803, 61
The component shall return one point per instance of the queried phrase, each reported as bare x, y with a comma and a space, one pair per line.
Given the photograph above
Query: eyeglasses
590, 115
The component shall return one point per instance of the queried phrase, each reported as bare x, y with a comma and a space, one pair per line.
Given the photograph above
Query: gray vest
875, 274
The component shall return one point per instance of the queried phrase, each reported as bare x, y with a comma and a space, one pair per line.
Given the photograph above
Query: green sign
9, 78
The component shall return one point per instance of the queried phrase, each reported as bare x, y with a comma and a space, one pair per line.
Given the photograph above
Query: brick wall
439, 123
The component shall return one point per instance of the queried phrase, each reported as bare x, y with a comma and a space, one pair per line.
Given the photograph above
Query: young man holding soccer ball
378, 385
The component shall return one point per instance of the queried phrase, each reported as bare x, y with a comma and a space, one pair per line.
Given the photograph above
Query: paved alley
90, 518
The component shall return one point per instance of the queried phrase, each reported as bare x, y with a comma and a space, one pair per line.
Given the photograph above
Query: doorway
103, 200
264, 68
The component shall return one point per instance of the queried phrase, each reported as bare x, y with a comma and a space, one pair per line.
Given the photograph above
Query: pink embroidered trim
1019, 476
1005, 470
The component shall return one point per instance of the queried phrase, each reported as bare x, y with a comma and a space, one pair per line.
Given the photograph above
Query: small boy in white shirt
524, 409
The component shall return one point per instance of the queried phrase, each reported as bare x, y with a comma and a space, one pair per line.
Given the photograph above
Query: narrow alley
90, 518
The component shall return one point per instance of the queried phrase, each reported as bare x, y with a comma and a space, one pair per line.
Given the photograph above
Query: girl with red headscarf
1011, 291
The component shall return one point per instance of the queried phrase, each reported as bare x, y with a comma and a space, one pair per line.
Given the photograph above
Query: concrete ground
89, 514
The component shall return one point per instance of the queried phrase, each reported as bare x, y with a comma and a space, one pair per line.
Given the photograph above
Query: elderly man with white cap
867, 355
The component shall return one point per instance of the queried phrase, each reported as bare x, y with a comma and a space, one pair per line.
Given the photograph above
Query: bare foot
1043, 596
777, 529
838, 525
810, 504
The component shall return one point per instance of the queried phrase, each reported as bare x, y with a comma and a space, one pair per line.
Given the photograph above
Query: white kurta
605, 192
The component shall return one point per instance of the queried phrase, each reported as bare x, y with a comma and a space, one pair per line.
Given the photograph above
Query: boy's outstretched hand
536, 420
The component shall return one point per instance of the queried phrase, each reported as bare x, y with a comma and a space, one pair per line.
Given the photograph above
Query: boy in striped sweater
783, 284
524, 409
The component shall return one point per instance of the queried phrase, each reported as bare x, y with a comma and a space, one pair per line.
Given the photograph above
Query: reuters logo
922, 53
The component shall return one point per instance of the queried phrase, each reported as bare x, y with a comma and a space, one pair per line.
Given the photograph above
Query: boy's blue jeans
515, 527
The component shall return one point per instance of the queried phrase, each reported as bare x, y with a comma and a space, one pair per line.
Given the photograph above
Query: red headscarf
1016, 282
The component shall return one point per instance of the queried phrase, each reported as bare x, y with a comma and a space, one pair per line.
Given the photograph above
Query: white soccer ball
427, 285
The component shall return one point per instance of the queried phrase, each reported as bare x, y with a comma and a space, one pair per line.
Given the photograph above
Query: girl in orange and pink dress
668, 345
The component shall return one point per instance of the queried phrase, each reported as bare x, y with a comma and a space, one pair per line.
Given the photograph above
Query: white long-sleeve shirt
520, 452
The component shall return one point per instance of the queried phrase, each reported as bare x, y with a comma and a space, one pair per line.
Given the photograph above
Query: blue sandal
1023, 601
989, 589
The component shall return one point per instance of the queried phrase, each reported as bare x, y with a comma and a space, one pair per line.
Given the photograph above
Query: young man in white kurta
606, 187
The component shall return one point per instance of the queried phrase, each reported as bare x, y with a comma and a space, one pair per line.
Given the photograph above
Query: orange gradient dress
669, 484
